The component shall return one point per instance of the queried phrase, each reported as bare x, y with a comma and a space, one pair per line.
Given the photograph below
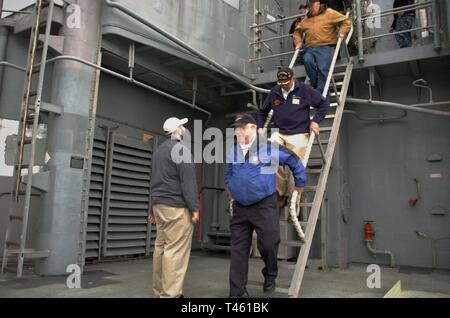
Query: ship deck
207, 277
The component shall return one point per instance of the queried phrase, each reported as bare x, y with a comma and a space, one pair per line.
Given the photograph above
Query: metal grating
96, 191
126, 230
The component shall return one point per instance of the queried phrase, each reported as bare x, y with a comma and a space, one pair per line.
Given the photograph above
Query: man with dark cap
250, 180
302, 9
319, 29
291, 100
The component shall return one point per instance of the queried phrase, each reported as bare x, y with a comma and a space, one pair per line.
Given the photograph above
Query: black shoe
268, 286
181, 296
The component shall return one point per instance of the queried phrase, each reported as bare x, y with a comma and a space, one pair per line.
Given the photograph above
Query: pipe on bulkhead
412, 108
4, 31
375, 251
117, 75
368, 238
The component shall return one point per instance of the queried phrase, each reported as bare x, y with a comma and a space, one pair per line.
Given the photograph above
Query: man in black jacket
302, 9
174, 200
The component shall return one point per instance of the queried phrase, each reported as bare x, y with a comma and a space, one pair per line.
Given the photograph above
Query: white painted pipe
375, 251
399, 106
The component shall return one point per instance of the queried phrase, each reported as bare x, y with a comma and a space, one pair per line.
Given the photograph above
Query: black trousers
264, 218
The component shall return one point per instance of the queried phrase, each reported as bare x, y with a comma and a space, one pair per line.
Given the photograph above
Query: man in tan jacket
320, 31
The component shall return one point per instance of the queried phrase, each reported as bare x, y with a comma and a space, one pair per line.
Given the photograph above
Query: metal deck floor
208, 277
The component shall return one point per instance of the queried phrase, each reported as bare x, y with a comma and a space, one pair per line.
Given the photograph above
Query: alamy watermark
73, 20
374, 279
212, 146
73, 281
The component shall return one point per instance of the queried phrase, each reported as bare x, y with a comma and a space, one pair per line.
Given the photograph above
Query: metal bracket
40, 181
51, 108
55, 43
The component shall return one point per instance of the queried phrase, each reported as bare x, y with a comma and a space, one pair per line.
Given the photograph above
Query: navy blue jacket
253, 178
292, 115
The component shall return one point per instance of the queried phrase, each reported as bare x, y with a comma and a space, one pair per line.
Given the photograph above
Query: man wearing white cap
175, 206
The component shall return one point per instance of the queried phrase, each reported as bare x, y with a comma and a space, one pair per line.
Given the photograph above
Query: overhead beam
150, 65
152, 44
222, 82
143, 48
25, 22
171, 61
198, 72
221, 85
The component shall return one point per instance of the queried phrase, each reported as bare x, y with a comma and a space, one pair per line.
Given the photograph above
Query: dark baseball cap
284, 75
243, 119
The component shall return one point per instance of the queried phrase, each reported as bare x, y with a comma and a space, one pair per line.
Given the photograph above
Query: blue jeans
300, 60
317, 64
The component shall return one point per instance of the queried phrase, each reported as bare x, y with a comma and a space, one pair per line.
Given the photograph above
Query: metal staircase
319, 156
32, 106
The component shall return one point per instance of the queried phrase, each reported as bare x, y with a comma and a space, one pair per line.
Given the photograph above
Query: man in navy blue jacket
291, 100
251, 182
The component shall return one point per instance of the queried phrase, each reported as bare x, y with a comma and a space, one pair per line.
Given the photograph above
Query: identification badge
296, 100
254, 160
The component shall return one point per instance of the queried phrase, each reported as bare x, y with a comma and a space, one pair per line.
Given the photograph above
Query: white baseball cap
171, 124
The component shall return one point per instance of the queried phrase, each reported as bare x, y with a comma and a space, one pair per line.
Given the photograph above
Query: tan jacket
321, 29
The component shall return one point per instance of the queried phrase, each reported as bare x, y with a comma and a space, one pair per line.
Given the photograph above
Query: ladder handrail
27, 89
89, 148
325, 91
25, 121
15, 186
294, 58
313, 217
297, 278
313, 136
34, 133
18, 163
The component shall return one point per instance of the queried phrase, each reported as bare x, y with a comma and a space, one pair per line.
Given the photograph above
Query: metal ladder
29, 120
338, 80
87, 165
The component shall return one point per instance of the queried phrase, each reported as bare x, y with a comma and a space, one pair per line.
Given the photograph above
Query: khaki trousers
298, 144
172, 250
